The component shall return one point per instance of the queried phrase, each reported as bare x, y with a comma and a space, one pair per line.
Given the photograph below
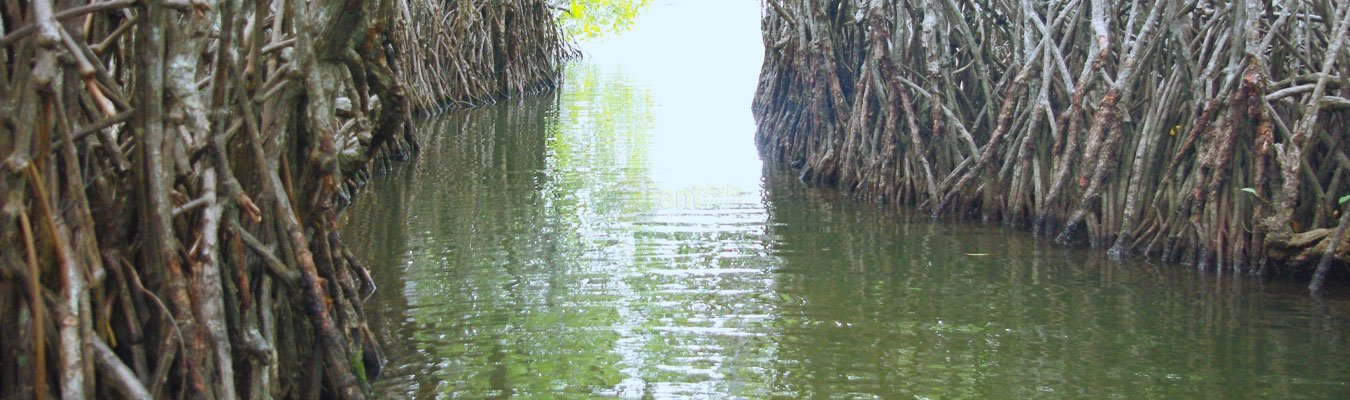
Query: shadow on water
414, 225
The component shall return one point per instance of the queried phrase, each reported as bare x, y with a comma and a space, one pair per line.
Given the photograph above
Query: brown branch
39, 310
46, 22
116, 373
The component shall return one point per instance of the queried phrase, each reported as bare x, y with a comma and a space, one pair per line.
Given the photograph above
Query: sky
701, 60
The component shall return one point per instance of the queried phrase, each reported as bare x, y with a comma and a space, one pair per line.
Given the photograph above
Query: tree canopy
589, 19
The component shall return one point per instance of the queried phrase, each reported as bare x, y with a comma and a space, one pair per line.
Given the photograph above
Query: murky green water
621, 239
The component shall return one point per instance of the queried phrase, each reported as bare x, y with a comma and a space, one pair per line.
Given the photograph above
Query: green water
620, 238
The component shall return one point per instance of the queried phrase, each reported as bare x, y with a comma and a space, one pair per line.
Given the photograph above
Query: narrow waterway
620, 238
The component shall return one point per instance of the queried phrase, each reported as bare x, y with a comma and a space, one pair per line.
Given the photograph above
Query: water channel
620, 238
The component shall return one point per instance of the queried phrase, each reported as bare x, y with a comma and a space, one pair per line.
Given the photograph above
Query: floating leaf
1344, 199
1250, 190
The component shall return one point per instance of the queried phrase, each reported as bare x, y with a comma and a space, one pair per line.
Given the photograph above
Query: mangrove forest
173, 173
426, 199
1207, 132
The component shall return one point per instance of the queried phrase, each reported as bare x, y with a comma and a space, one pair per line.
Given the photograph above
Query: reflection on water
619, 239
529, 251
890, 305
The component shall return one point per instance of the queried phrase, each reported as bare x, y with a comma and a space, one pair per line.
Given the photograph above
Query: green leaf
1250, 190
590, 19
1344, 199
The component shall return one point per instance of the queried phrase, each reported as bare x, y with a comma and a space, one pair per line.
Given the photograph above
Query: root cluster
1202, 131
171, 173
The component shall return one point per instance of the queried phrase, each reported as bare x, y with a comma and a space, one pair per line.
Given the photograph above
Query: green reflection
523, 253
598, 149
479, 245
892, 306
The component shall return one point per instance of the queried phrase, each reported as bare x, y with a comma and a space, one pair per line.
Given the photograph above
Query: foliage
589, 19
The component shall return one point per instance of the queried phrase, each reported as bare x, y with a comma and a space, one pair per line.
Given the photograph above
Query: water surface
621, 239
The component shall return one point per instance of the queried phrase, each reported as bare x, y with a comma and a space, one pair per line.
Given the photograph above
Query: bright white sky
701, 59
